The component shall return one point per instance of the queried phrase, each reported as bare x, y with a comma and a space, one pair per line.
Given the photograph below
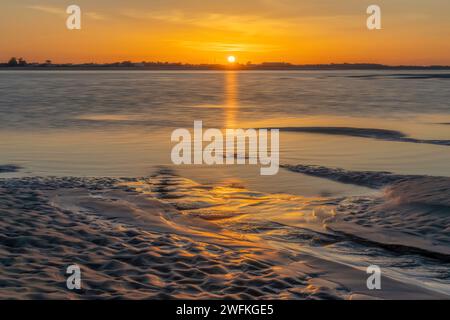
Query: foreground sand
135, 239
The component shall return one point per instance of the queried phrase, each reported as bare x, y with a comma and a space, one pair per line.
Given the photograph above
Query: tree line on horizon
21, 62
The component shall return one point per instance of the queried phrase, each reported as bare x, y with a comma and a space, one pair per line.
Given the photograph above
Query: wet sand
9, 168
371, 133
167, 237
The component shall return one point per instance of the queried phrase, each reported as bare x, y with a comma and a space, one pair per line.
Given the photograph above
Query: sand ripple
40, 239
166, 237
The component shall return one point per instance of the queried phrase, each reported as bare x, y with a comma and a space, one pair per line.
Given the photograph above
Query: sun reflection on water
231, 99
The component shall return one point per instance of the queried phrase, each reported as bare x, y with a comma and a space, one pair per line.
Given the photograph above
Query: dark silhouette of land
22, 64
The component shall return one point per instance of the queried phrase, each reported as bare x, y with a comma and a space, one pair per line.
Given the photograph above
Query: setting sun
231, 59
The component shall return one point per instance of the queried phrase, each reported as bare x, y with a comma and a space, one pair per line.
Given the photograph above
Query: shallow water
118, 124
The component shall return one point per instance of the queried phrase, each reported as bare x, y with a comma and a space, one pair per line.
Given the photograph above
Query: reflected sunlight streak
231, 99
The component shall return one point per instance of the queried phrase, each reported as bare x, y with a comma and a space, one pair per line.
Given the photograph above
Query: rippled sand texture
169, 237
39, 239
413, 211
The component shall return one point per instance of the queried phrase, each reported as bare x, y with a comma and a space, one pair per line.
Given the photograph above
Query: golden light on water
230, 99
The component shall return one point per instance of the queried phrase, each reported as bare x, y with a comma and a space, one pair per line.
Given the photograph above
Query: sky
414, 32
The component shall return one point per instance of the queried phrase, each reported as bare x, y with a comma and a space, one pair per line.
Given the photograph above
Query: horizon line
22, 63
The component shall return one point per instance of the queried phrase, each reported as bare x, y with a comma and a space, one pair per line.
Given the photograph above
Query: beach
86, 179
133, 245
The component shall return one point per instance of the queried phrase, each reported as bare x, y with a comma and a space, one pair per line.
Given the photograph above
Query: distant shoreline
128, 66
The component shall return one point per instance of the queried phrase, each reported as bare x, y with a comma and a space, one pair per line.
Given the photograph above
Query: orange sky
207, 31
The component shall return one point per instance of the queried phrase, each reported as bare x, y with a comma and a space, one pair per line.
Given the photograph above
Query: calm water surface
116, 123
